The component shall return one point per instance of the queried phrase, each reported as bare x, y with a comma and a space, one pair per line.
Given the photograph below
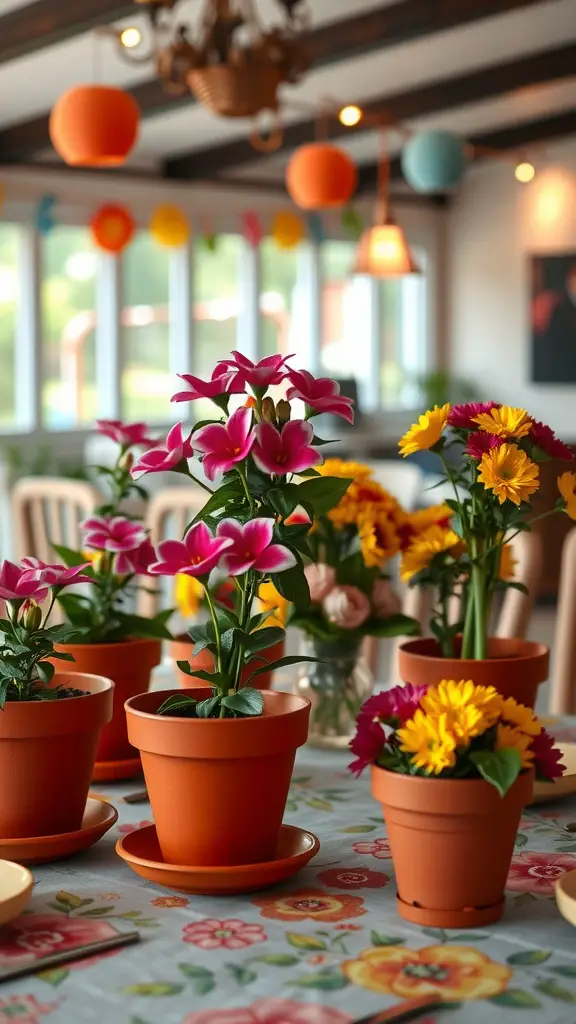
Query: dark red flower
547, 756
480, 443
462, 416
545, 439
366, 744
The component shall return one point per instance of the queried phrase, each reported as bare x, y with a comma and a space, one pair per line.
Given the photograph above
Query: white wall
494, 225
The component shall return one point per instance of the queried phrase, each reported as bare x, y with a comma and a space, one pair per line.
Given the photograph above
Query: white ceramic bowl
15, 889
566, 896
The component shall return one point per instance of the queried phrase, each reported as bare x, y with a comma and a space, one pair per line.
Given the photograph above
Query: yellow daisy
429, 742
471, 709
188, 594
520, 717
339, 467
379, 539
431, 516
509, 473
269, 600
505, 421
432, 542
427, 432
567, 488
507, 737
507, 567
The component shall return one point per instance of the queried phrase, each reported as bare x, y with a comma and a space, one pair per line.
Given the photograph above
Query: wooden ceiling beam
46, 22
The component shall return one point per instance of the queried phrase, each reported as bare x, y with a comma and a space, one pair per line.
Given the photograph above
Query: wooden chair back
47, 511
168, 514
563, 682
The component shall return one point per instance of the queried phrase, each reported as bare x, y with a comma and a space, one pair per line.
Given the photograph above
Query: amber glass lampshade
384, 252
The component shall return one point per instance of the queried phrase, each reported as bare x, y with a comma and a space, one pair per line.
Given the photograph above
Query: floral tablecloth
325, 948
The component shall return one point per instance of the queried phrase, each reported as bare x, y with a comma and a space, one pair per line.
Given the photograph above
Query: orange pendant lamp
383, 250
94, 126
321, 177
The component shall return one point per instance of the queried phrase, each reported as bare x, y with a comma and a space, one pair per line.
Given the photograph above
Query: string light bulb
131, 37
350, 115
524, 172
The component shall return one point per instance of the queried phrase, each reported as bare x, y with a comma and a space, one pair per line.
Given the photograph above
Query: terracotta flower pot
182, 649
452, 842
218, 788
129, 665
47, 753
515, 667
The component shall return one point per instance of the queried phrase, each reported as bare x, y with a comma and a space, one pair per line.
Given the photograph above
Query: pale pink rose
347, 607
229, 934
321, 580
272, 1011
385, 600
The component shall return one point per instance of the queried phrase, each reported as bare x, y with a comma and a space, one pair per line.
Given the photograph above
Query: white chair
563, 683
47, 511
404, 480
168, 514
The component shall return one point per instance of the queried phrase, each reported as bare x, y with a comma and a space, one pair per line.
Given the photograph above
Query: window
68, 318
346, 311
280, 297
402, 344
216, 300
9, 295
147, 382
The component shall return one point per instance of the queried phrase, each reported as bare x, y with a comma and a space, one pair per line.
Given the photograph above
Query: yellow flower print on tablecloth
452, 973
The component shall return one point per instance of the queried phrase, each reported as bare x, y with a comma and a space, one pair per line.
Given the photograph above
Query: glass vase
337, 686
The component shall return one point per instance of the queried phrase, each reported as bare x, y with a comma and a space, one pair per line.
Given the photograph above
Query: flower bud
31, 616
126, 462
283, 411
268, 410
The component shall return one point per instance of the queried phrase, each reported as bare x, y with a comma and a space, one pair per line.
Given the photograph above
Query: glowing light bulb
131, 37
524, 172
350, 115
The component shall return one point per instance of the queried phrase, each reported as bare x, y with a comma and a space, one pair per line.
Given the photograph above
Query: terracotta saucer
563, 786
141, 852
116, 771
99, 816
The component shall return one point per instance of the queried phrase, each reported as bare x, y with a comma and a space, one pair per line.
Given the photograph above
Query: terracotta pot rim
455, 784
531, 649
130, 642
270, 694
108, 685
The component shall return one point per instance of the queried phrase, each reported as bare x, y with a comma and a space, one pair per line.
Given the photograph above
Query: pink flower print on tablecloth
125, 830
538, 872
36, 935
229, 934
353, 878
272, 1011
24, 1009
379, 848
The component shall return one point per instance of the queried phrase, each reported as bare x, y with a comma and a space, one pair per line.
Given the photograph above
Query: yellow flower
507, 567
451, 973
567, 488
522, 718
339, 467
432, 516
430, 742
508, 737
379, 539
505, 421
362, 494
509, 473
270, 600
188, 594
432, 542
470, 709
426, 432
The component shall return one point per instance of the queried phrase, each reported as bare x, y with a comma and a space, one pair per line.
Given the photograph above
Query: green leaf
283, 499
529, 956
357, 830
395, 625
521, 841
262, 639
293, 585
323, 492
206, 708
153, 988
551, 988
69, 900
500, 768
45, 671
436, 933
468, 937
565, 970
242, 975
318, 804
202, 979
53, 977
379, 939
517, 998
309, 942
219, 500
96, 912
69, 557
295, 659
247, 701
324, 981
181, 706
278, 959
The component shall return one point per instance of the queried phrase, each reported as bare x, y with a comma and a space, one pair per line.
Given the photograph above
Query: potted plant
452, 766
191, 603
110, 639
50, 720
218, 759
352, 598
491, 455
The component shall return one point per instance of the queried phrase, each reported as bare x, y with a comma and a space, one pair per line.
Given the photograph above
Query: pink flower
367, 743
270, 370
222, 382
379, 848
547, 756
135, 562
35, 935
24, 1009
394, 706
17, 584
545, 439
347, 607
320, 394
385, 600
125, 434
480, 443
321, 580
287, 451
55, 575
353, 878
538, 872
271, 1011
125, 830
225, 444
175, 450
299, 517
462, 416
229, 934
196, 555
251, 547
113, 534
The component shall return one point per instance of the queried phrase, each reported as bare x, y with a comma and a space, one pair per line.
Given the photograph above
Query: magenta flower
481, 442
462, 416
547, 756
225, 444
196, 555
125, 434
367, 744
222, 382
251, 547
394, 706
545, 439
137, 562
113, 534
320, 394
176, 449
17, 584
288, 451
299, 517
270, 370
55, 575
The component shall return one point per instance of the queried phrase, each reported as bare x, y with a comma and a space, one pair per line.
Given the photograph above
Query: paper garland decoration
288, 229
44, 219
352, 222
252, 228
169, 226
112, 228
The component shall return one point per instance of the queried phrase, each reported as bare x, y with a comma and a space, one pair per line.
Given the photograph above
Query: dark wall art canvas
553, 318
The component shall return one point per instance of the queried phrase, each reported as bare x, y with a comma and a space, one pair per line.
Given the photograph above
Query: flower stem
216, 630
480, 631
242, 473
468, 635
